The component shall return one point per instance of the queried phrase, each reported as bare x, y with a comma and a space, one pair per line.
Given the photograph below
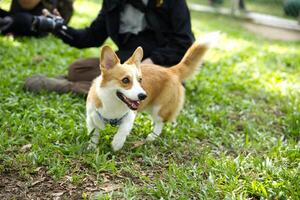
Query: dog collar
113, 122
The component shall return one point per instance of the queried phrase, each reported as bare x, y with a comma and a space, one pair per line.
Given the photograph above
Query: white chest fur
112, 106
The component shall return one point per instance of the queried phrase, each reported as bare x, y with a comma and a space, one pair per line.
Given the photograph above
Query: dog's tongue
135, 104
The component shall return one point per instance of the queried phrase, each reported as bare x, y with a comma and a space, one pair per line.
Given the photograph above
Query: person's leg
242, 5
80, 75
84, 70
38, 83
79, 78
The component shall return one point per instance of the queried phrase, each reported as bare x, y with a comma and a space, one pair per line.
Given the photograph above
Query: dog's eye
139, 80
125, 80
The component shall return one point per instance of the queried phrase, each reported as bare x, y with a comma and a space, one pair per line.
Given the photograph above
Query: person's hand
48, 22
60, 29
55, 12
147, 61
46, 12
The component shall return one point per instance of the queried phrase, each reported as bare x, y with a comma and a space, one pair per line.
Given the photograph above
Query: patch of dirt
273, 33
42, 186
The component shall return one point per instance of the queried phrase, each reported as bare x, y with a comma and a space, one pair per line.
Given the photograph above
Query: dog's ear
136, 57
108, 58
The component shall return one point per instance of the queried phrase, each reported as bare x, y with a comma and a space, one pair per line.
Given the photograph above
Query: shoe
61, 77
40, 83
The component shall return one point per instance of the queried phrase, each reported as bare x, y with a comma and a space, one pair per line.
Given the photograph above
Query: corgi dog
123, 89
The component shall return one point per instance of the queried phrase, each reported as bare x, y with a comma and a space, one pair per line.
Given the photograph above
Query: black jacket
165, 41
22, 19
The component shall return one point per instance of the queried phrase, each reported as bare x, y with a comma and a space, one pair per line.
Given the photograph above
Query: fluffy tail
194, 55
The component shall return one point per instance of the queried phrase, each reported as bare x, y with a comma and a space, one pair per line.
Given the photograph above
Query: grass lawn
270, 7
237, 137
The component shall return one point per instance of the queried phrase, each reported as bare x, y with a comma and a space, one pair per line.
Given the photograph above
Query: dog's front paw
117, 144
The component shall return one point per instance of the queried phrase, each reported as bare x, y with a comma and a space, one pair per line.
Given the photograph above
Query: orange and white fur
121, 89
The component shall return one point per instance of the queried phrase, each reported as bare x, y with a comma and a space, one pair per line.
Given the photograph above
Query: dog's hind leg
158, 125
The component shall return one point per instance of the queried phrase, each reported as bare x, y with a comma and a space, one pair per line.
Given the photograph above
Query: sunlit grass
237, 137
84, 10
5, 4
269, 7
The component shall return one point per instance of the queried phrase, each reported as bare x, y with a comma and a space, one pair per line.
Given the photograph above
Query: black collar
113, 122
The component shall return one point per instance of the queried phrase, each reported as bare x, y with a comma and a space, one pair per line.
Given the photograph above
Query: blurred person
292, 8
161, 27
241, 3
24, 17
215, 2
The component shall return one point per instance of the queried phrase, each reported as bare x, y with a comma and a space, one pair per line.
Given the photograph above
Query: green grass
271, 7
237, 137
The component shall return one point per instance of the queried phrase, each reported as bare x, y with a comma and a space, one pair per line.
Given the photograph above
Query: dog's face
123, 79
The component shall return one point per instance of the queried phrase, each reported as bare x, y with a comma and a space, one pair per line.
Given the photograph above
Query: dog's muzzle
132, 104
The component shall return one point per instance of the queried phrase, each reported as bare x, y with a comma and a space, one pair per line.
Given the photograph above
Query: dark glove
20, 24
67, 34
5, 23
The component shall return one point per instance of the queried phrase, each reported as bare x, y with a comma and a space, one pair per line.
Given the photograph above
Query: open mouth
133, 105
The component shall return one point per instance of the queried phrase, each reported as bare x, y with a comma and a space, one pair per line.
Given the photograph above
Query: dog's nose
142, 96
